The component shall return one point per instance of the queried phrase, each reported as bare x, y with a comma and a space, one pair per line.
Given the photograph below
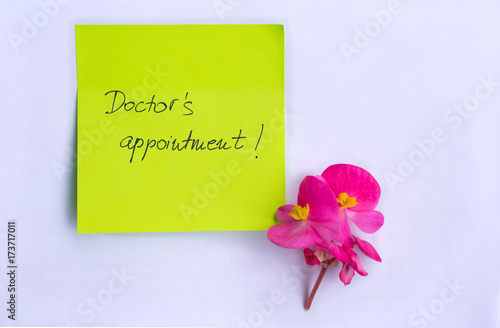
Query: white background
368, 109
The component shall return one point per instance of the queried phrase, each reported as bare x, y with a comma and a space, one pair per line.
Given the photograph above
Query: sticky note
180, 127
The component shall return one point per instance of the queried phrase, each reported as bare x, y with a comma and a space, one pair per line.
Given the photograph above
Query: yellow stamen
299, 212
345, 201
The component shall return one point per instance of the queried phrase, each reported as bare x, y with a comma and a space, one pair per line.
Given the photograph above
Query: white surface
442, 221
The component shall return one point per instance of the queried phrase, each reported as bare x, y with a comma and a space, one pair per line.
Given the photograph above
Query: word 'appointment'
173, 144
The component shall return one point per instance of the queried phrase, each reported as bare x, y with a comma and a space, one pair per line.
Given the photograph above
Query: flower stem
316, 285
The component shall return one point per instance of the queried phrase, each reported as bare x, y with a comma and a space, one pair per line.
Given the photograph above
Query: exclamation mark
257, 145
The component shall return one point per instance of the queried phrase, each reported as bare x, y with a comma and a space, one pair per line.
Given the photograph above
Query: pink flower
319, 219
313, 221
357, 194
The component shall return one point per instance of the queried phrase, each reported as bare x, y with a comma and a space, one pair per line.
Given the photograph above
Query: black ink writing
175, 144
120, 101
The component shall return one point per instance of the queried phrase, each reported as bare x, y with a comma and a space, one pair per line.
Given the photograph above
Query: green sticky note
180, 127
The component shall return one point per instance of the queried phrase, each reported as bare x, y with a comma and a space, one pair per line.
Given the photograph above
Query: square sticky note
180, 127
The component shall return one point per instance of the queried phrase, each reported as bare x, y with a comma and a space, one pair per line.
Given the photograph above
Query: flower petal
311, 257
322, 255
346, 273
355, 261
337, 252
368, 249
283, 214
345, 235
297, 234
321, 199
327, 230
366, 221
356, 182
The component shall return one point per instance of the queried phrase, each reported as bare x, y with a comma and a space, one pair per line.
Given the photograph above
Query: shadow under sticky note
180, 127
